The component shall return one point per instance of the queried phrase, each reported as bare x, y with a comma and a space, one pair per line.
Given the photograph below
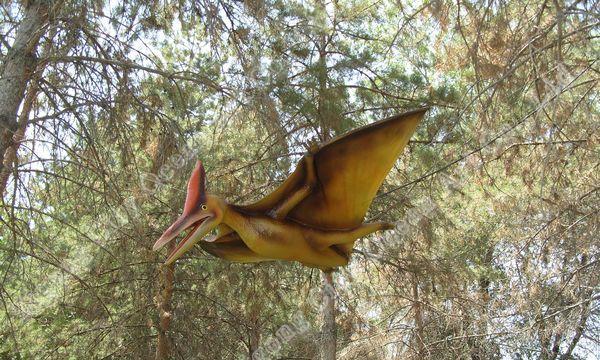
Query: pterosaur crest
196, 189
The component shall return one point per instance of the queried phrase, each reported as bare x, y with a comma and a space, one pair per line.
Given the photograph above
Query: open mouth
180, 225
192, 230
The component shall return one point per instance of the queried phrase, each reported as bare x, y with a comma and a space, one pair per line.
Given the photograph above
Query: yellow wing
349, 171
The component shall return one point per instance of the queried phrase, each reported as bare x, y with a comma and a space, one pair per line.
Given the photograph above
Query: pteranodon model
313, 217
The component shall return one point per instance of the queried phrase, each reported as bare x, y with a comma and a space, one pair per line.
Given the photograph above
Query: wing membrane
349, 169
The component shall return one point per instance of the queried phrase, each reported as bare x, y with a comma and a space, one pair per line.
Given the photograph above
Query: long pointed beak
199, 231
182, 223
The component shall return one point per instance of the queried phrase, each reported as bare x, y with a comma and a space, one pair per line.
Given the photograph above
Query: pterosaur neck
233, 217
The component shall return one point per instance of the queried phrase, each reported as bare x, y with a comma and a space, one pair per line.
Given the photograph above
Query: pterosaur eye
204, 207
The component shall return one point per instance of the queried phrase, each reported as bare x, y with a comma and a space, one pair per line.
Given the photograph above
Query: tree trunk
328, 331
165, 313
10, 155
166, 279
19, 65
419, 335
10, 160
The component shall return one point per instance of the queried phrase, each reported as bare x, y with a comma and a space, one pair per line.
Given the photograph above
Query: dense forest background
106, 105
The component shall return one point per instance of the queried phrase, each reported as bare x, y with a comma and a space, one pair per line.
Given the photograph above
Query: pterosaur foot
387, 226
342, 237
312, 147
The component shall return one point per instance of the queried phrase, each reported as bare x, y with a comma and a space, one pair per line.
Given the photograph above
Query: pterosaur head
201, 214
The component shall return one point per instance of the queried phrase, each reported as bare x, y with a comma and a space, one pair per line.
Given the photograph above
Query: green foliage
495, 254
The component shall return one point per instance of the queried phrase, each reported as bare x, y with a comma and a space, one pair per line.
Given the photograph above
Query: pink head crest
196, 189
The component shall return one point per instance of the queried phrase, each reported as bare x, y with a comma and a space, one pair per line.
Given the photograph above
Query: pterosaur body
313, 217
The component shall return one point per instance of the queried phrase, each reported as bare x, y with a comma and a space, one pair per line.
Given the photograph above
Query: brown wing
349, 170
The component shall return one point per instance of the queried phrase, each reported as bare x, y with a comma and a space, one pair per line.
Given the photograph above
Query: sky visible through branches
105, 107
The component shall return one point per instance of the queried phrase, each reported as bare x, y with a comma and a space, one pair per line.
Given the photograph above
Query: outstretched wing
349, 171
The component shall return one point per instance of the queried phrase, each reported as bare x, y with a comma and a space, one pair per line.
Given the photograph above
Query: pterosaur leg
342, 237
